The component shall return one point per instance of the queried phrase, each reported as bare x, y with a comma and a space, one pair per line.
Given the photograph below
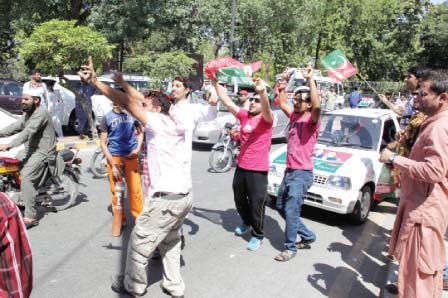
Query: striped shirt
16, 263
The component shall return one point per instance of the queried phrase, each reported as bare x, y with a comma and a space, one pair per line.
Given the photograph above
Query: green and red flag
338, 66
231, 71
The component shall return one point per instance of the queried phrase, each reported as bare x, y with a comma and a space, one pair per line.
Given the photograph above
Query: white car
100, 104
348, 177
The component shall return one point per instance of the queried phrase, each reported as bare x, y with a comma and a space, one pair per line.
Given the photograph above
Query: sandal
29, 223
304, 244
285, 255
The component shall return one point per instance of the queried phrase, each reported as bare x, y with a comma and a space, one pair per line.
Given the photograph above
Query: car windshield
139, 85
350, 131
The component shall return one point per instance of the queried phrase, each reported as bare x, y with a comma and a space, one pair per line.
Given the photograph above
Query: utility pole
232, 29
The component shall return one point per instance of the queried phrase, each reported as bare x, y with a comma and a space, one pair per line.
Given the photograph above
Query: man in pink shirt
304, 128
251, 175
417, 239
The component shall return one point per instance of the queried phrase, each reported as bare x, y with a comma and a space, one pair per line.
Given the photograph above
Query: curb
78, 144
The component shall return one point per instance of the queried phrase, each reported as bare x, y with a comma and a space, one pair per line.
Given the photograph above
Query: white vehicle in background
100, 104
348, 177
138, 81
322, 83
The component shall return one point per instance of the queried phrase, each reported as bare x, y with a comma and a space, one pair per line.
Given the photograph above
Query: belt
169, 195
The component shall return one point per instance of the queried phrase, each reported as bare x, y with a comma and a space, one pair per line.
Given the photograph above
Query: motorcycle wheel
98, 164
220, 161
69, 191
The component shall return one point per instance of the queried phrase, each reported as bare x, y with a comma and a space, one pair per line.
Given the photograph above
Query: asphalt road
75, 254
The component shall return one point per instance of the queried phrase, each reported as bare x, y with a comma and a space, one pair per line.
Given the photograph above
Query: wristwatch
392, 158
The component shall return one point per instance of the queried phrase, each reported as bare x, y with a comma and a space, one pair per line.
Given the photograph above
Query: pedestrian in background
36, 86
330, 98
354, 98
304, 127
121, 147
417, 239
82, 108
55, 107
251, 175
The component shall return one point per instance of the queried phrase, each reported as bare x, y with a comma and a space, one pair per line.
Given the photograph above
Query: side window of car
14, 89
389, 132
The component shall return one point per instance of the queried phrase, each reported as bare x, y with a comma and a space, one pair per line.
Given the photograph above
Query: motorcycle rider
36, 131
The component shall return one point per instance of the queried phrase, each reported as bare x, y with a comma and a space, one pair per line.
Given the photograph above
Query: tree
56, 46
434, 37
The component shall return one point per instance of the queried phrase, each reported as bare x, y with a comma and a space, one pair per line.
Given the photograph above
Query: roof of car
369, 113
74, 78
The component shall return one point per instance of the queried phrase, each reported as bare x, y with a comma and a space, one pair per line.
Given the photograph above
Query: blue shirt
354, 98
120, 130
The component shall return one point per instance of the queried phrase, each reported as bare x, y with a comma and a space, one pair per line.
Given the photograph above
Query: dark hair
34, 71
438, 85
388, 93
184, 80
159, 99
419, 72
355, 88
50, 83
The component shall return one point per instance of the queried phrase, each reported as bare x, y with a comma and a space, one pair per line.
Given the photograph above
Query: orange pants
131, 171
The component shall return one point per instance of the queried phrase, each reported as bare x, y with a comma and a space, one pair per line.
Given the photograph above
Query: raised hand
260, 85
87, 72
118, 77
308, 75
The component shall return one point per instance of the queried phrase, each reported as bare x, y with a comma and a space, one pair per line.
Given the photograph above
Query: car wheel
362, 207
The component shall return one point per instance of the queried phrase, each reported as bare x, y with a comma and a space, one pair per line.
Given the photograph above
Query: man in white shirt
36, 86
167, 203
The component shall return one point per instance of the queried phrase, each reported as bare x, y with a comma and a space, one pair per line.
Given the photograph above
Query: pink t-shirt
256, 135
302, 137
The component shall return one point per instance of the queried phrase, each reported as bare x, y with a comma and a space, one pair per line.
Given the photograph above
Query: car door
11, 97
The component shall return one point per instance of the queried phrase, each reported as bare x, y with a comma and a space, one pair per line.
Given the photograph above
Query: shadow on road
229, 219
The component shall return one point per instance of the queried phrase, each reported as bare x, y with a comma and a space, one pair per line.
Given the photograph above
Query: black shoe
118, 287
392, 288
168, 293
304, 244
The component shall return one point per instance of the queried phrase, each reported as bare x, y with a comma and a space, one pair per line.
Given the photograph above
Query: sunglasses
256, 99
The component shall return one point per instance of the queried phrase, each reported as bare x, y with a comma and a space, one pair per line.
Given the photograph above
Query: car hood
330, 160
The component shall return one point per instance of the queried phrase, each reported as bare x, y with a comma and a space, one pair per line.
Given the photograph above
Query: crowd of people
163, 129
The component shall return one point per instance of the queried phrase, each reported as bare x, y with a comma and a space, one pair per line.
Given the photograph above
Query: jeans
290, 198
249, 190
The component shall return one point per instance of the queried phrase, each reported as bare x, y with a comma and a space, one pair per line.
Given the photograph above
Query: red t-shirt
302, 137
256, 135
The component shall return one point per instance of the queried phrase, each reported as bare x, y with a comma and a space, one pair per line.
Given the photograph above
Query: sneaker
241, 229
118, 287
254, 243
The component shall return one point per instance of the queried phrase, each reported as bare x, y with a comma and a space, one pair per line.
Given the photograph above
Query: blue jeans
290, 198
445, 272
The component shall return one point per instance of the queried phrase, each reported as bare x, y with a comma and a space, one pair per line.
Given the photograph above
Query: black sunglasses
256, 99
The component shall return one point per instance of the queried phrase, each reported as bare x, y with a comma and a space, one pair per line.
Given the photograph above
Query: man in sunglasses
417, 239
251, 176
302, 136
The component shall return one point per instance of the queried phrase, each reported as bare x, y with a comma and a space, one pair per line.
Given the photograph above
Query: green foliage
434, 37
59, 45
160, 66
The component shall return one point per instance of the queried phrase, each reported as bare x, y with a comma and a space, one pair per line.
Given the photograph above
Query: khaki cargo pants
157, 226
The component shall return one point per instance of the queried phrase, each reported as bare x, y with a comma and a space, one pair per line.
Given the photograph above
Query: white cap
33, 93
302, 89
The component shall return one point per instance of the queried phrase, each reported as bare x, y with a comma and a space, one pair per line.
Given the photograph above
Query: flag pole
384, 100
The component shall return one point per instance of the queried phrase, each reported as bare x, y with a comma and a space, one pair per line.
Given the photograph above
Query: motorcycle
226, 150
59, 185
98, 163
